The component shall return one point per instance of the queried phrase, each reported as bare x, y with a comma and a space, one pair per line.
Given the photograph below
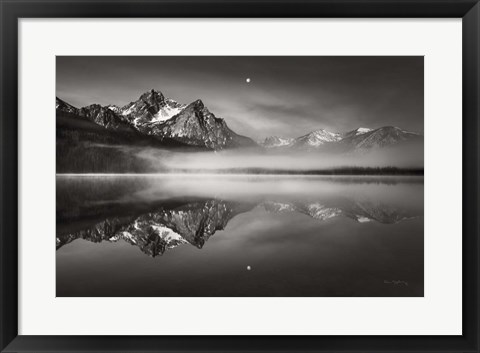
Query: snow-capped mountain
276, 141
150, 109
384, 136
164, 119
317, 138
196, 125
360, 139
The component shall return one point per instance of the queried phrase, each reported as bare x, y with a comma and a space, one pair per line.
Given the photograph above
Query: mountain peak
198, 104
363, 129
152, 97
319, 137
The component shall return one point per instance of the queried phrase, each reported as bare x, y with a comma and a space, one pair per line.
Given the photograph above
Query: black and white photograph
239, 176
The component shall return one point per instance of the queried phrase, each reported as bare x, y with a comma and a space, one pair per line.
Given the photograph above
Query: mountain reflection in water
162, 214
164, 227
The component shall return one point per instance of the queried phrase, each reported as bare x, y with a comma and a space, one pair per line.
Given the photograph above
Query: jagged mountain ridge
164, 119
360, 139
94, 113
194, 223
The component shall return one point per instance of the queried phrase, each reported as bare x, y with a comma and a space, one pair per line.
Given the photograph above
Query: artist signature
396, 282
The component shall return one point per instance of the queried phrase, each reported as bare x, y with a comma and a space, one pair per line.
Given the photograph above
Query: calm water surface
239, 236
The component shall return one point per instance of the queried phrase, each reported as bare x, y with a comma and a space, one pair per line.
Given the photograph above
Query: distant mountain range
157, 120
354, 140
193, 223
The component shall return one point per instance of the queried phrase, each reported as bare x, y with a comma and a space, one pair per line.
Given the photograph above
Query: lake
239, 235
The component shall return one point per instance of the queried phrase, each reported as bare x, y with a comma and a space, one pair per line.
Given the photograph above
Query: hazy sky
287, 96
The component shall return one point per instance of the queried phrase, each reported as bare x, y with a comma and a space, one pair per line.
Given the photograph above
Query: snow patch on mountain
168, 234
318, 138
272, 206
128, 110
114, 108
166, 113
362, 219
362, 130
322, 212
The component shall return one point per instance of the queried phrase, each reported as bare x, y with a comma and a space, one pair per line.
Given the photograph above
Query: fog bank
400, 157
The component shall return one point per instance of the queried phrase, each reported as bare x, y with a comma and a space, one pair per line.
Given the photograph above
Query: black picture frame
12, 11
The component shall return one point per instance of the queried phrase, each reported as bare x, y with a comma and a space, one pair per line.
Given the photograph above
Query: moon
248, 80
